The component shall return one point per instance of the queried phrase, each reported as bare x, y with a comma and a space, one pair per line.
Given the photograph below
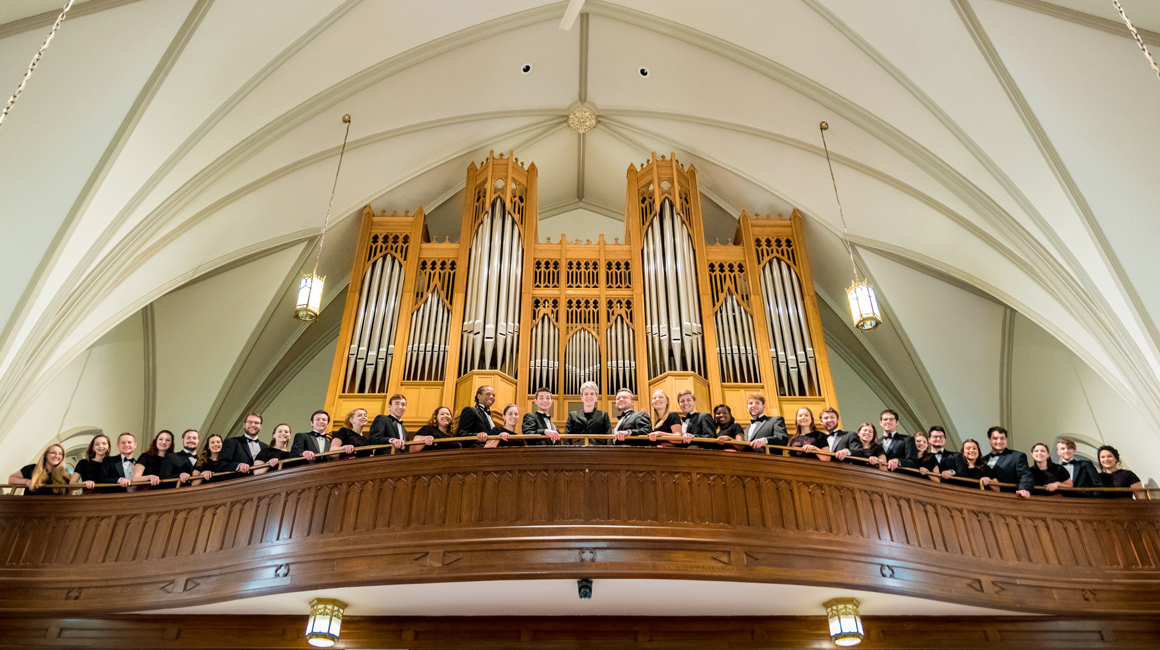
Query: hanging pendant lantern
309, 298
845, 622
864, 306
863, 301
310, 286
325, 623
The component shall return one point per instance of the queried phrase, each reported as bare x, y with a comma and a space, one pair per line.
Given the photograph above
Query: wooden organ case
662, 310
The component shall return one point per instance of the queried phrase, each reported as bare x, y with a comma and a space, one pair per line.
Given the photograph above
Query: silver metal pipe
736, 331
750, 343
372, 310
652, 344
515, 298
430, 331
792, 350
390, 326
724, 346
352, 358
377, 327
483, 280
689, 294
795, 327
815, 381
437, 366
414, 344
673, 299
472, 296
678, 279
499, 322
771, 320
661, 300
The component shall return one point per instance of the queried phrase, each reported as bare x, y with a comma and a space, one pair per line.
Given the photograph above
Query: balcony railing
598, 511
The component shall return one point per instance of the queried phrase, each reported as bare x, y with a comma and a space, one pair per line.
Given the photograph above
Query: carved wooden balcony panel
577, 512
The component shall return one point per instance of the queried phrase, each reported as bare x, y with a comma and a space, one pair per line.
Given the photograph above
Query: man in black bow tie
949, 462
763, 429
119, 468
841, 443
239, 452
1082, 472
476, 420
306, 445
900, 449
389, 429
631, 423
179, 465
540, 421
1010, 466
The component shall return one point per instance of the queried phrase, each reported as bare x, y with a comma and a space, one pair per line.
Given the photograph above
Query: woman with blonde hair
351, 434
665, 422
273, 453
49, 470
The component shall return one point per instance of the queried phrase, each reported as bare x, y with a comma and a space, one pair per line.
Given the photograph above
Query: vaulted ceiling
169, 165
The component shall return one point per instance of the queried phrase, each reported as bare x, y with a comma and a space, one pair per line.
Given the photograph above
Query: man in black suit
540, 421
119, 469
700, 425
949, 463
631, 423
1010, 466
306, 445
238, 453
389, 429
900, 449
841, 443
476, 420
763, 429
1082, 472
179, 464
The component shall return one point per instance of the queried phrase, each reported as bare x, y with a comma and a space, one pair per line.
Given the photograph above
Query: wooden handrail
785, 451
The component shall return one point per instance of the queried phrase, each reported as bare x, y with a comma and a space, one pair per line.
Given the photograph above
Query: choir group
924, 453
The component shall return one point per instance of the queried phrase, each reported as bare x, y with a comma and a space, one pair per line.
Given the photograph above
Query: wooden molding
581, 632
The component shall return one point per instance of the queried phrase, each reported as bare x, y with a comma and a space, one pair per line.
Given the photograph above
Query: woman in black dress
589, 420
1045, 472
807, 437
351, 435
976, 469
927, 463
1112, 475
207, 459
88, 469
278, 449
439, 426
727, 427
49, 470
665, 422
511, 419
149, 464
868, 446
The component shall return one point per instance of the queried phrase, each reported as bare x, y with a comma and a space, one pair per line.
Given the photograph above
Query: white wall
101, 389
857, 402
305, 394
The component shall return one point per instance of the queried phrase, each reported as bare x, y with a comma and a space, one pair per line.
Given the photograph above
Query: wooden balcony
547, 512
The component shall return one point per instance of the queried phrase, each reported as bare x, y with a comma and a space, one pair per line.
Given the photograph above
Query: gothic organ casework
657, 309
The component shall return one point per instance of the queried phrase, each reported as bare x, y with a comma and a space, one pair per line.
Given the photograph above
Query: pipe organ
662, 309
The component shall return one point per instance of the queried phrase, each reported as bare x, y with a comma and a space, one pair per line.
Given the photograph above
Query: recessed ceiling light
526, 68
643, 72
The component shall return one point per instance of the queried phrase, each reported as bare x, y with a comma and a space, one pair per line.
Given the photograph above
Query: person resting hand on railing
664, 421
727, 427
630, 423
476, 420
275, 452
589, 420
868, 446
975, 467
1113, 475
539, 420
88, 469
763, 429
50, 469
207, 460
350, 435
807, 437
927, 463
1045, 472
1010, 466
511, 418
180, 464
439, 426
306, 445
149, 463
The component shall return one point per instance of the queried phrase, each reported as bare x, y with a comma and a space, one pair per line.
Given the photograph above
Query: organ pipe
736, 345
792, 351
582, 361
372, 343
673, 313
427, 348
490, 336
544, 354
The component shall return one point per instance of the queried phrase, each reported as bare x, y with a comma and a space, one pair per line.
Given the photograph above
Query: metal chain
35, 60
845, 240
326, 222
1136, 35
